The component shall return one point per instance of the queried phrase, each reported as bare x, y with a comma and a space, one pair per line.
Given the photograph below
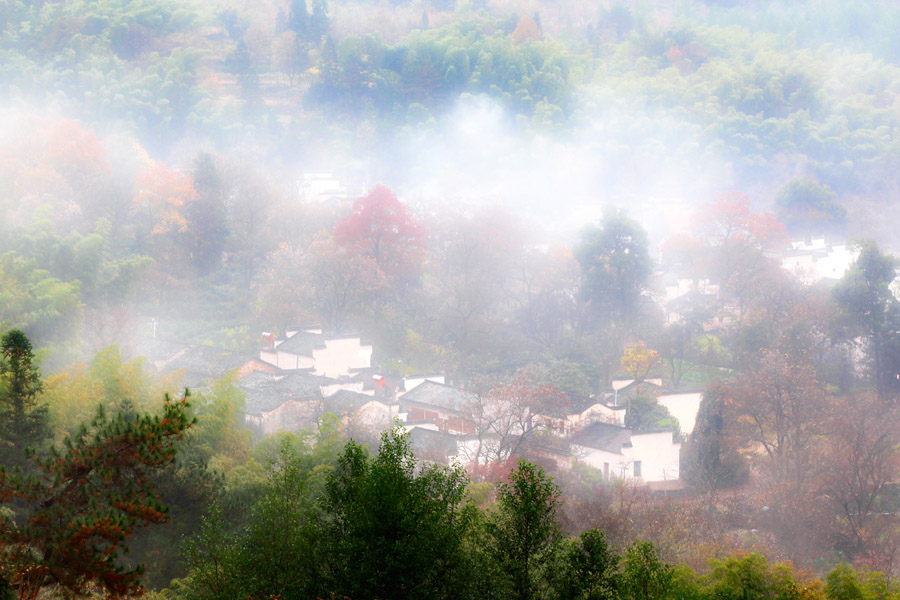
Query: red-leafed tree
74, 517
381, 227
727, 220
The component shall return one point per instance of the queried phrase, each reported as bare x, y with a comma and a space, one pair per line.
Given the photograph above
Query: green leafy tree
644, 575
279, 550
645, 412
525, 530
394, 528
616, 264
85, 503
710, 457
870, 311
586, 568
806, 207
842, 583
213, 555
23, 419
749, 577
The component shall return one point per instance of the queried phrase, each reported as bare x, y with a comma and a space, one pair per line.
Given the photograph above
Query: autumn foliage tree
638, 360
85, 502
380, 227
778, 408
860, 458
161, 201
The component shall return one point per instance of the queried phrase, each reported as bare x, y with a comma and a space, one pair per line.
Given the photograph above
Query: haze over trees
531, 199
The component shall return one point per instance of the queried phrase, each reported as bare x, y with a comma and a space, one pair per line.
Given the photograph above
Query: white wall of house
290, 416
655, 455
658, 454
683, 407
376, 415
340, 355
598, 412
612, 464
290, 361
818, 261
337, 358
685, 286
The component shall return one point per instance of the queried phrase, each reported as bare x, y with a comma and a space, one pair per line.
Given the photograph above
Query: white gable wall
683, 407
657, 453
290, 361
603, 413
377, 415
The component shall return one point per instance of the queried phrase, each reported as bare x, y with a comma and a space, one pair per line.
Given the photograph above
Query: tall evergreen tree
207, 217
23, 420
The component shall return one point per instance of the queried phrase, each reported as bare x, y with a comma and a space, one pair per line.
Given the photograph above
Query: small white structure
309, 349
621, 453
684, 407
814, 260
320, 187
584, 410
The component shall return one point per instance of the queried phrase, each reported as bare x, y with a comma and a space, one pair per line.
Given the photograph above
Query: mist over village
449, 299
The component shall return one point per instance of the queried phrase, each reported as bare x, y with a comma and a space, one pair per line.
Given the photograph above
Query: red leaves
727, 220
381, 228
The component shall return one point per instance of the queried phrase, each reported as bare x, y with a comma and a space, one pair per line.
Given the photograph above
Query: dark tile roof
209, 360
603, 436
345, 401
439, 395
265, 393
429, 444
302, 343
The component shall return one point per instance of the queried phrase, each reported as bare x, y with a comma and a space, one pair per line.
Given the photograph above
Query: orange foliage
526, 30
164, 192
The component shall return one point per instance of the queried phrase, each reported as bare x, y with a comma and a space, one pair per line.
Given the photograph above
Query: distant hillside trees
808, 208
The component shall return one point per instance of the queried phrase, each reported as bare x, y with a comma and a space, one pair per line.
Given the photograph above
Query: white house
310, 349
814, 260
622, 453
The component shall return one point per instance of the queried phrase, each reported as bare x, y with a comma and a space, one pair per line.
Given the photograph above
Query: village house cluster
297, 379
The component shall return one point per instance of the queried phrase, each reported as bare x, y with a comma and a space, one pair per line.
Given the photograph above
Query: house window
606, 471
637, 468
